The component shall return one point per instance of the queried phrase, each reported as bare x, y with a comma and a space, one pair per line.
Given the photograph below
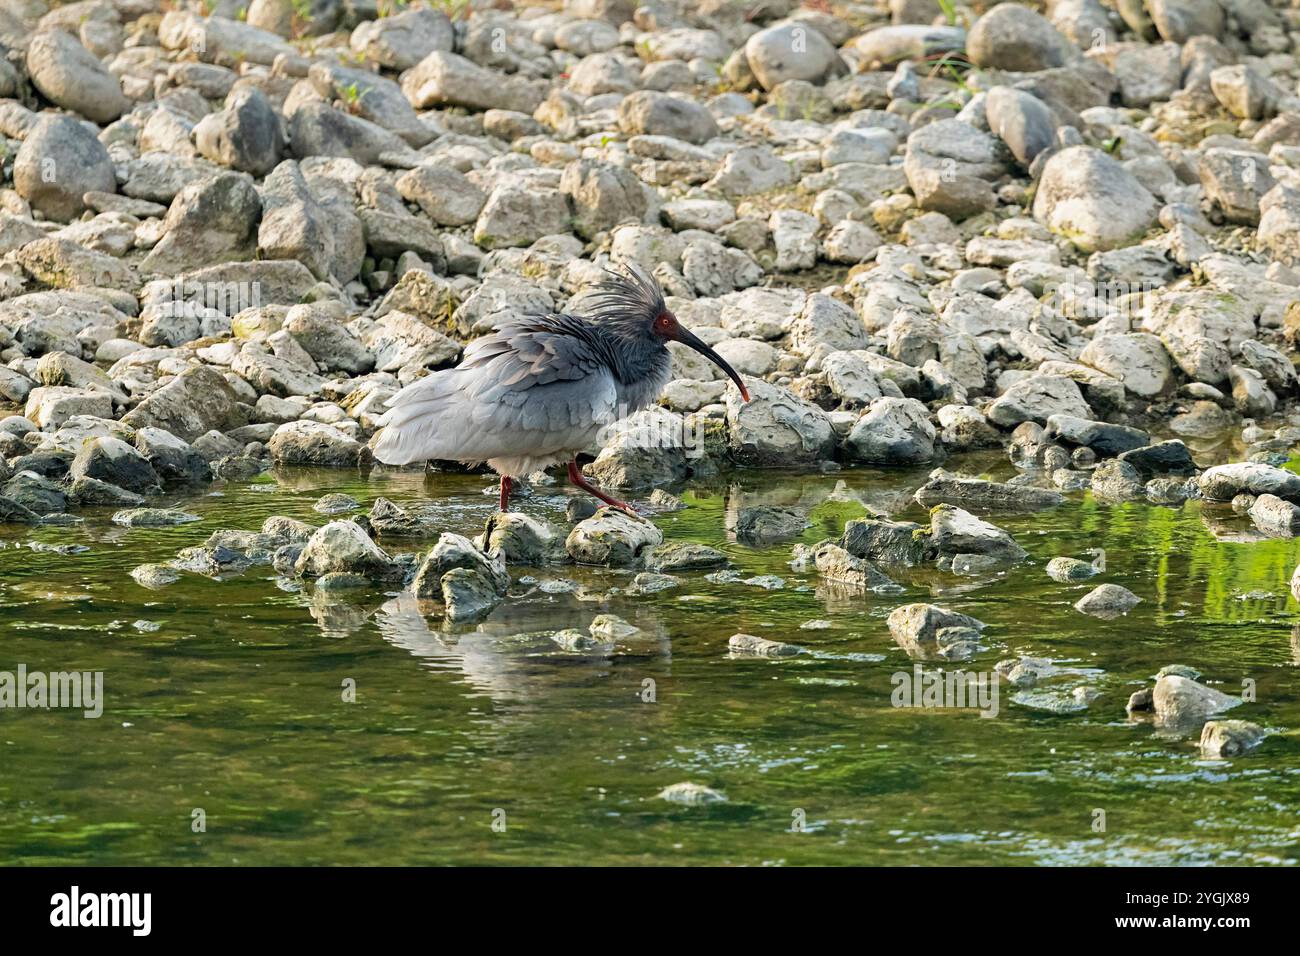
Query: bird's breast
643, 392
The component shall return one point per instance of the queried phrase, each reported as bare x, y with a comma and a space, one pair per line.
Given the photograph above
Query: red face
666, 326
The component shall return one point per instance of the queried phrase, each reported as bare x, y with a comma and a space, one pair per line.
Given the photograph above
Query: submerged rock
946, 488
1107, 601
678, 556
388, 520
929, 631
1230, 738
335, 504
749, 645
154, 576
767, 525
691, 795
612, 538
612, 626
1225, 482
524, 540
902, 543
345, 546
957, 534
153, 517
838, 566
1072, 569
1181, 700
468, 595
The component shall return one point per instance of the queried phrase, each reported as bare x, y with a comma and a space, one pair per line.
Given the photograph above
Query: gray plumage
537, 390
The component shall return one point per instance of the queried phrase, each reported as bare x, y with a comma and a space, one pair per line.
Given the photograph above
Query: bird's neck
639, 362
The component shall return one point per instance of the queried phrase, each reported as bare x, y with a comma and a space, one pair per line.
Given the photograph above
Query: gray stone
1020, 120
931, 631
246, 135
776, 428
70, 76
1274, 516
195, 402
316, 129
345, 546
1137, 359
601, 195
315, 443
1180, 700
790, 51
957, 533
468, 595
114, 461
173, 460
612, 538
659, 114
59, 162
901, 543
1166, 457
1036, 399
1090, 199
837, 566
766, 525
678, 556
1225, 482
1015, 38
950, 166
209, 223
446, 79
1105, 439
1107, 601
893, 431
1230, 738
945, 488
401, 41
751, 646
515, 215
446, 195
371, 97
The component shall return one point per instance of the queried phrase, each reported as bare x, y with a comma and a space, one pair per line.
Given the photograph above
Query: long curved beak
687, 338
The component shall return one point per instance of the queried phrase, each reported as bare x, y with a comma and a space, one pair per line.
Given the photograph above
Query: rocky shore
230, 231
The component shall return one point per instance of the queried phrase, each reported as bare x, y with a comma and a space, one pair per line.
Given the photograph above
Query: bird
539, 389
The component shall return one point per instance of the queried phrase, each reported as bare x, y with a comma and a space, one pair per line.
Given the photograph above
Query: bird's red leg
575, 476
506, 486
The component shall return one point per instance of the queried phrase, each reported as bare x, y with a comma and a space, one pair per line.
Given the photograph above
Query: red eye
665, 324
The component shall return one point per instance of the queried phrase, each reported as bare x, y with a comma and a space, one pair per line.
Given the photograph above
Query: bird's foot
576, 476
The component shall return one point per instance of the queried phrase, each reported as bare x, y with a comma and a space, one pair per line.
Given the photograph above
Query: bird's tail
409, 429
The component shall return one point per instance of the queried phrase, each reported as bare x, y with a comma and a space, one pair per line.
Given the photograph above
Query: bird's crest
630, 296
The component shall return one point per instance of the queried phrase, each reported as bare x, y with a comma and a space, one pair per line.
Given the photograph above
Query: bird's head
633, 300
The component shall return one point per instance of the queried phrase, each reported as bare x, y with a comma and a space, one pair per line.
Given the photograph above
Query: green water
234, 703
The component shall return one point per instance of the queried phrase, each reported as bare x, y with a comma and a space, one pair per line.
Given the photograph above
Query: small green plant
454, 9
1113, 145
301, 15
949, 10
352, 94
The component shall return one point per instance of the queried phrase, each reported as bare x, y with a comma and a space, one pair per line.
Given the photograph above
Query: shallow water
233, 704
